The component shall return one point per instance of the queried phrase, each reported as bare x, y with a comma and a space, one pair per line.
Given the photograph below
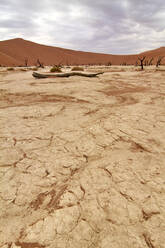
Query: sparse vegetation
56, 68
77, 68
34, 68
10, 69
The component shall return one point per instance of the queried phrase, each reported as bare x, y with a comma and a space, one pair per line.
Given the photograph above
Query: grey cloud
120, 26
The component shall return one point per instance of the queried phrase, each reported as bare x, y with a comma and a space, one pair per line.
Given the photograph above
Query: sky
103, 26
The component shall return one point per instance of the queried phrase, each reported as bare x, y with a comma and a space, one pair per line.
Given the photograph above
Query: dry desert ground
82, 160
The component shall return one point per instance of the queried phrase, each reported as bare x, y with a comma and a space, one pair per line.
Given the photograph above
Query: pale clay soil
82, 160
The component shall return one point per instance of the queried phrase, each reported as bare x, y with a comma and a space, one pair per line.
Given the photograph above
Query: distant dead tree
67, 63
159, 61
150, 62
109, 63
39, 64
26, 62
142, 61
60, 64
136, 63
146, 62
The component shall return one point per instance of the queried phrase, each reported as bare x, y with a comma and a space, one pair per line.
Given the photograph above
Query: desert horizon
20, 52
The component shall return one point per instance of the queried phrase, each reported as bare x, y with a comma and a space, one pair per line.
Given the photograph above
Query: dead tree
146, 62
159, 61
39, 64
26, 62
109, 63
150, 62
142, 61
67, 63
59, 65
65, 74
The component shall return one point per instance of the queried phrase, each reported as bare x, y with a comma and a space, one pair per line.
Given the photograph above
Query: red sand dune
14, 52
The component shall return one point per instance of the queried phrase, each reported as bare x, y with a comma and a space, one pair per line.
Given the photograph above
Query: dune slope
14, 52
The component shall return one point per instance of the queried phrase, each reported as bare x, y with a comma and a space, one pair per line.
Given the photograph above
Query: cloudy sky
106, 26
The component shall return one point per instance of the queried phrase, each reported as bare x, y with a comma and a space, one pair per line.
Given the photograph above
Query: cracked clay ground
82, 160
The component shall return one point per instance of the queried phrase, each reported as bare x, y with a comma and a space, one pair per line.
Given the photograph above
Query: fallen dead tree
65, 74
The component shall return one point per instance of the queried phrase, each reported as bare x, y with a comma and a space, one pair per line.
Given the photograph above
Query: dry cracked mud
82, 160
